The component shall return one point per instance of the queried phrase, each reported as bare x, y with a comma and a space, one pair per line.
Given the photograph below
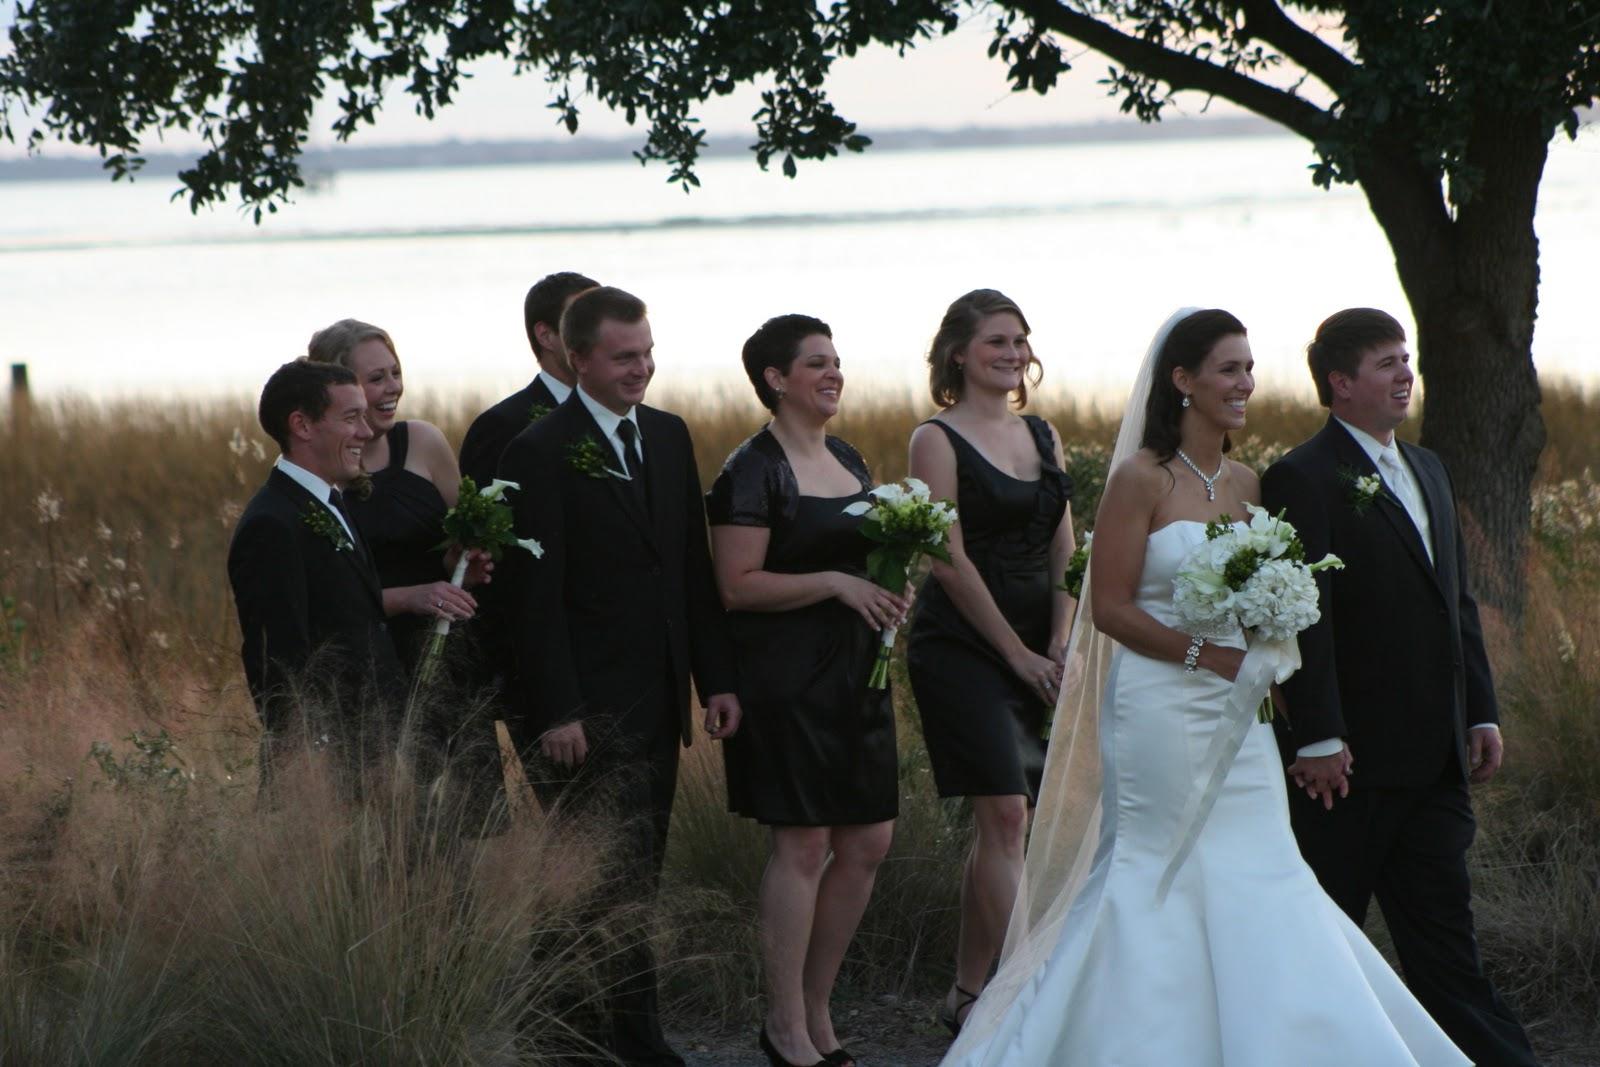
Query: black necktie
336, 498
629, 433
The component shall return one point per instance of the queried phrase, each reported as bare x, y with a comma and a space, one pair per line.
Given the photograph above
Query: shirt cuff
1486, 726
1331, 747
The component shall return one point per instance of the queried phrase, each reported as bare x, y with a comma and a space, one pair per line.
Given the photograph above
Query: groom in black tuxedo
316, 644
611, 623
1393, 712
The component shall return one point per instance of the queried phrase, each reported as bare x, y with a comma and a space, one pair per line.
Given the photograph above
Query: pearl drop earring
1185, 399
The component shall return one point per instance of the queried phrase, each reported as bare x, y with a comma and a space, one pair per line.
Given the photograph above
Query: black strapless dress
981, 723
402, 521
816, 746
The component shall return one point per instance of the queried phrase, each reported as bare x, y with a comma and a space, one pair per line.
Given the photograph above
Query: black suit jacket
623, 604
491, 431
1396, 665
303, 604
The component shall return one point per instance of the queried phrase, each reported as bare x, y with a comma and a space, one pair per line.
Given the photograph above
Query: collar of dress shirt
609, 421
558, 388
1373, 447
313, 485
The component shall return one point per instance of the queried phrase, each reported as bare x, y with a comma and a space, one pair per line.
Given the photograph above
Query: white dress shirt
1399, 477
609, 421
317, 488
558, 388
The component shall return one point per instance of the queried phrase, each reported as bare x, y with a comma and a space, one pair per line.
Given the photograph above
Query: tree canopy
1409, 76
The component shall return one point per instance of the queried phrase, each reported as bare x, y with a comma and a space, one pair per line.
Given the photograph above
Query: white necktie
1400, 481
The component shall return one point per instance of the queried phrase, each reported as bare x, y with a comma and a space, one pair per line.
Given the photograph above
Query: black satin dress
402, 522
816, 746
982, 724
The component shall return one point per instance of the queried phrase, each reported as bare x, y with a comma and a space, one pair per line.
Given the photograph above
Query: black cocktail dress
401, 521
816, 746
982, 724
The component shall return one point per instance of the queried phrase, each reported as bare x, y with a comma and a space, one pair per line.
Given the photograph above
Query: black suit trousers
626, 785
1408, 847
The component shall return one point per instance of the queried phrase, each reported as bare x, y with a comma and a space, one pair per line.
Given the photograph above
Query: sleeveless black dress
402, 521
816, 746
982, 724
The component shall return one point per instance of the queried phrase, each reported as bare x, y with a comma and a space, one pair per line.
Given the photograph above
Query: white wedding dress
1247, 962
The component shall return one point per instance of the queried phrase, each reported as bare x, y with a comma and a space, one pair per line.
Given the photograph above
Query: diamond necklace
1211, 482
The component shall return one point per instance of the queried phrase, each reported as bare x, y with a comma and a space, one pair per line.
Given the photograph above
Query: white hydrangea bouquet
907, 524
1253, 577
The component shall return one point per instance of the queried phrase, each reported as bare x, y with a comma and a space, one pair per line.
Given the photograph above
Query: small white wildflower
48, 505
237, 444
175, 541
102, 531
161, 639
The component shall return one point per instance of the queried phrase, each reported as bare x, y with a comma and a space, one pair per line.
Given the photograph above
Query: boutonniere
585, 456
1364, 489
537, 411
323, 522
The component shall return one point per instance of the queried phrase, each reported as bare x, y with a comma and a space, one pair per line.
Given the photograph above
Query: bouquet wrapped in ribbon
907, 524
1252, 577
481, 520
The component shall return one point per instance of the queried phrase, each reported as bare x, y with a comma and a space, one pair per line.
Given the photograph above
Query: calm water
110, 289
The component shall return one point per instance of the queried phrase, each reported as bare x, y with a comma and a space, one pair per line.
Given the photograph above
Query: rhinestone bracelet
1191, 658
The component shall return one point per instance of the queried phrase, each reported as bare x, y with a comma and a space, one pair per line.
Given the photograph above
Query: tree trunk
1472, 282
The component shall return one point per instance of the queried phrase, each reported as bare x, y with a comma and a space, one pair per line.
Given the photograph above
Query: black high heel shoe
774, 1057
839, 1057
952, 1019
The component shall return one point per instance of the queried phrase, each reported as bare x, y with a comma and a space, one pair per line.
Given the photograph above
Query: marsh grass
149, 913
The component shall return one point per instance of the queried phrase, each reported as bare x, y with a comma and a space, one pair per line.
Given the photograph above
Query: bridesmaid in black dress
989, 636
814, 757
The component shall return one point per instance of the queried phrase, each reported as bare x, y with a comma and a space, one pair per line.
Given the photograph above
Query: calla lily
860, 507
532, 546
497, 489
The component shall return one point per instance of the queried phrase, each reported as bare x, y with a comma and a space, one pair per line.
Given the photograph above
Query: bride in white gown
1245, 961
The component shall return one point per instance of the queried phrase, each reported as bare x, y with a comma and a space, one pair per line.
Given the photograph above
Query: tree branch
1267, 20
1179, 70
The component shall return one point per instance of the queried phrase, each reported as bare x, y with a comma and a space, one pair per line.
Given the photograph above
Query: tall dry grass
149, 913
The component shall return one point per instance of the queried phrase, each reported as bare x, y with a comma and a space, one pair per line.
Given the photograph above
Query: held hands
440, 599
1039, 673
566, 745
1485, 752
1322, 776
722, 715
880, 608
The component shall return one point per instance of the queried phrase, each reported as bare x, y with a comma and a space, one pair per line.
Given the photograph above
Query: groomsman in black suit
1393, 712
491, 431
611, 623
309, 600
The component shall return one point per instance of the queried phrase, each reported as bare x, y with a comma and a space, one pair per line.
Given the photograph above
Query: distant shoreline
318, 163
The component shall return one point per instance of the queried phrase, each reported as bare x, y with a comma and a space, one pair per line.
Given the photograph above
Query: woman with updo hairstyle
989, 636
814, 757
412, 480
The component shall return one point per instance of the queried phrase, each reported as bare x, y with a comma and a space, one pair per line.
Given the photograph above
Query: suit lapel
1434, 496
357, 556
1352, 456
620, 490
656, 466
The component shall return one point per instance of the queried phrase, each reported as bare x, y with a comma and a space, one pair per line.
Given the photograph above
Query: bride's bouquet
1252, 577
907, 525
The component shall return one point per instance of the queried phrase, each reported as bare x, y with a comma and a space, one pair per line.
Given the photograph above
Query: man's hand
1322, 776
722, 715
566, 745
1486, 749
